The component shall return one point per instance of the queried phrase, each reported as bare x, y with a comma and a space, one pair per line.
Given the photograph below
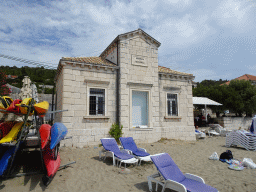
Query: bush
116, 131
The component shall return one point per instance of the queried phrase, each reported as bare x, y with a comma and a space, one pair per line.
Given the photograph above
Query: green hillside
38, 75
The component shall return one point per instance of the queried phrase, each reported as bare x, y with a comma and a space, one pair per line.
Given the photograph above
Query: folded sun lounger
212, 132
199, 134
173, 178
241, 138
111, 149
140, 153
219, 129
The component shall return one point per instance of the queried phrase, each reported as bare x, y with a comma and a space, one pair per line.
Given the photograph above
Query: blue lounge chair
111, 149
173, 178
140, 153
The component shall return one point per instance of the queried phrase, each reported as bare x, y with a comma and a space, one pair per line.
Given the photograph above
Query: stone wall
181, 126
145, 77
139, 72
234, 123
85, 129
138, 61
59, 94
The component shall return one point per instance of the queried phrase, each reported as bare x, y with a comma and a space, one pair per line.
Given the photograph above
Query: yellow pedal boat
24, 110
41, 108
5, 102
12, 135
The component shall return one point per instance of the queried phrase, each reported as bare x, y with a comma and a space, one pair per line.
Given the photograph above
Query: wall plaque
139, 60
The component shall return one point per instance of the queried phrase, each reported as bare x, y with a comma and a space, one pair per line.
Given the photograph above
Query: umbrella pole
205, 113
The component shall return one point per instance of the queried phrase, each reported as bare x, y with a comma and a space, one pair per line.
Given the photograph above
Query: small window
97, 102
172, 104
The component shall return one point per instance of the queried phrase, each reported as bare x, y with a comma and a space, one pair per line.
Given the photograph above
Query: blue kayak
58, 132
5, 159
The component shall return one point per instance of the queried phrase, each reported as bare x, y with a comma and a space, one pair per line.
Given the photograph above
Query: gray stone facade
235, 123
129, 64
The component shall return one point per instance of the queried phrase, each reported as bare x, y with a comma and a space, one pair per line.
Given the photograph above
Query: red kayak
5, 128
13, 107
51, 164
45, 133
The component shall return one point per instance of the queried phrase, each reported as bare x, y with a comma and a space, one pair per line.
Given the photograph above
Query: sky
210, 39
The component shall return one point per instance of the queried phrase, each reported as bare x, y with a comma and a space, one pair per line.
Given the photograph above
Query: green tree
4, 90
239, 96
244, 97
116, 131
36, 74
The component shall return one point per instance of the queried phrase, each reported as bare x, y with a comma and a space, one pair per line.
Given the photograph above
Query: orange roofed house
246, 77
124, 84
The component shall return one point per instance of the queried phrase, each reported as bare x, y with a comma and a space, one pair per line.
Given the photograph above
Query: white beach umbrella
204, 101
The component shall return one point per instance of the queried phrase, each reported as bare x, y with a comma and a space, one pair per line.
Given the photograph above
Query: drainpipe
117, 86
52, 103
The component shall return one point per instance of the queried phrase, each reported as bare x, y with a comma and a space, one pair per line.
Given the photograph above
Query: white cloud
202, 74
81, 28
147, 6
251, 67
234, 14
55, 23
179, 4
101, 15
85, 28
41, 54
182, 33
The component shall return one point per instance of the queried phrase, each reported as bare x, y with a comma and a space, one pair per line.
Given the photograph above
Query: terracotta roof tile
251, 77
243, 77
91, 60
168, 70
100, 61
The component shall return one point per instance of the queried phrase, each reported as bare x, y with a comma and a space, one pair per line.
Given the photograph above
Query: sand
93, 175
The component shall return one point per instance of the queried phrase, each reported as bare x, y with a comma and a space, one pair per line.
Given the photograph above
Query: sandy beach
93, 175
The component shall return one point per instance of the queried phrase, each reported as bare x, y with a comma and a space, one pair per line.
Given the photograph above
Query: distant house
11, 76
246, 77
124, 84
13, 89
46, 86
194, 84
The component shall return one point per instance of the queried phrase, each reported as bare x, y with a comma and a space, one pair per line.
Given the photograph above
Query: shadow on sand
108, 161
28, 162
143, 186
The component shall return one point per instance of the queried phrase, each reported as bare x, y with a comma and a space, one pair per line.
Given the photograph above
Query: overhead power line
30, 62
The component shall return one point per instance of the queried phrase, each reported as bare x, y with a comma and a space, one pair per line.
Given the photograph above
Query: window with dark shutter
92, 105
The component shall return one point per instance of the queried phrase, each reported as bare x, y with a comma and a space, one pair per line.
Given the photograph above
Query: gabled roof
251, 77
162, 69
126, 35
89, 60
246, 77
100, 61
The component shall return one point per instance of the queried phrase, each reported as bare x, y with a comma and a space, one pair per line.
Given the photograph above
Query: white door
139, 108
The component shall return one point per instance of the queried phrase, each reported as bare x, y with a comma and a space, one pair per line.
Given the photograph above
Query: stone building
124, 84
